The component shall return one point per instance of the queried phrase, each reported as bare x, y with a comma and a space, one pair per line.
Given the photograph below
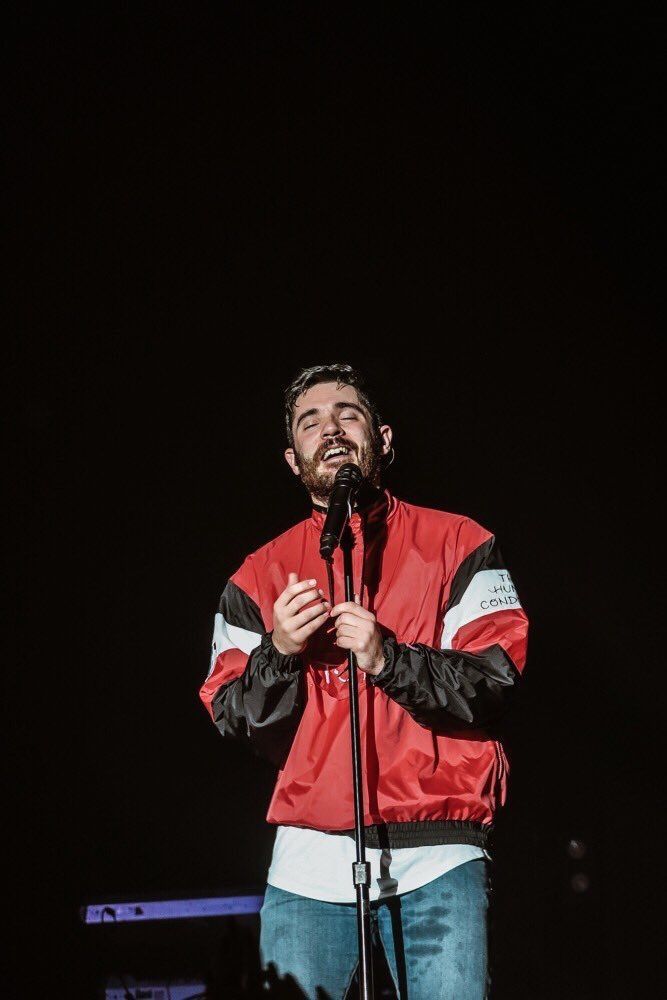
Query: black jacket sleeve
265, 703
252, 691
446, 690
470, 682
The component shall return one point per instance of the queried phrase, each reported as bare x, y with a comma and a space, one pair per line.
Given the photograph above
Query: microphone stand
361, 869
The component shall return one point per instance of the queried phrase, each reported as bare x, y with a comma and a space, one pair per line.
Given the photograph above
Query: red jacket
455, 643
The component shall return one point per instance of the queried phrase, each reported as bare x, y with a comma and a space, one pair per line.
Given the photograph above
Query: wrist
274, 656
378, 664
387, 658
282, 647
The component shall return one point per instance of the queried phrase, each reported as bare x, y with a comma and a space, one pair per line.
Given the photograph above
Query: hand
358, 631
293, 623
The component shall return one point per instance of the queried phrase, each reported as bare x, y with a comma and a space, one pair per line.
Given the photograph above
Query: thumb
357, 599
292, 578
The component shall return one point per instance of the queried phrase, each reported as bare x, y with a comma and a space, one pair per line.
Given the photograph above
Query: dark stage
202, 201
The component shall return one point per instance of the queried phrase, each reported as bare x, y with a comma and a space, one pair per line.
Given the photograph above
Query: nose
331, 428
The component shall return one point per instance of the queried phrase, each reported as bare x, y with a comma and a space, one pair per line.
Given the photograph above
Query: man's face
331, 428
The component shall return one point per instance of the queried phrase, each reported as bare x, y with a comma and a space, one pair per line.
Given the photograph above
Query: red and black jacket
455, 644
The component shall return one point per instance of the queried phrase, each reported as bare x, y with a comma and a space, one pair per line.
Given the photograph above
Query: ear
387, 436
290, 458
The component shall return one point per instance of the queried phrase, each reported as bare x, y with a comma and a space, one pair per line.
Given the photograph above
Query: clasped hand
356, 628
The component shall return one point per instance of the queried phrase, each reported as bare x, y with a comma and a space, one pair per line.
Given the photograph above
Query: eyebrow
338, 406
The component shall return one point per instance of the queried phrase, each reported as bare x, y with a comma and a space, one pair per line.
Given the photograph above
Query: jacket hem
423, 833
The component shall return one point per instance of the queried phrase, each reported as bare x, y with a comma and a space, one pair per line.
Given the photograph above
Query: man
440, 639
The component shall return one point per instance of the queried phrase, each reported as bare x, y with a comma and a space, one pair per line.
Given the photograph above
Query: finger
339, 608
305, 633
308, 614
347, 633
347, 619
359, 631
292, 590
349, 607
300, 601
355, 609
349, 622
345, 642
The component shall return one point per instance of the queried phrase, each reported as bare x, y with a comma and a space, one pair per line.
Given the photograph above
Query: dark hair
341, 374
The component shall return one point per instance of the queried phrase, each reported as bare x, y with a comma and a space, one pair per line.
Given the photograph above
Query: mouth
336, 452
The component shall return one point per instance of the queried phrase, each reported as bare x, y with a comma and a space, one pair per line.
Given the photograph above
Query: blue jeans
435, 939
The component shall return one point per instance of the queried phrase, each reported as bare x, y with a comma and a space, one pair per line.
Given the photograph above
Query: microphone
346, 484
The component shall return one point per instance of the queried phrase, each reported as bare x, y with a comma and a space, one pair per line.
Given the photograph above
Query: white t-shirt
319, 865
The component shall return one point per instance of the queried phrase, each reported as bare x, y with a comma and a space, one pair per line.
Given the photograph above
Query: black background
464, 208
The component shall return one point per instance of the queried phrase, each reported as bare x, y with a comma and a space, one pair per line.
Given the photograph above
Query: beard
320, 484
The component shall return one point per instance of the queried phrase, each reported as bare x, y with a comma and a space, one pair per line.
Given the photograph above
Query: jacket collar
373, 506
